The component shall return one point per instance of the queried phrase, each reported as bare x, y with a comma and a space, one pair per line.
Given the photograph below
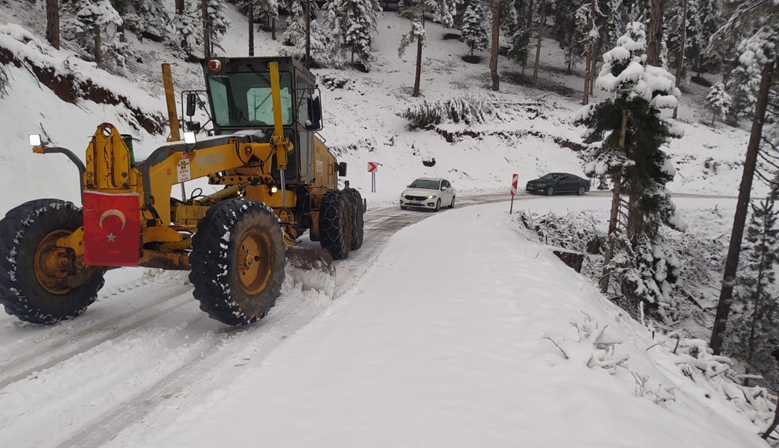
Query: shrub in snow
718, 102
3, 81
467, 110
149, 17
474, 30
325, 50
753, 332
593, 347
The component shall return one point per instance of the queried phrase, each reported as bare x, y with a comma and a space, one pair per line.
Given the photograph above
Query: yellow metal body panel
324, 167
108, 163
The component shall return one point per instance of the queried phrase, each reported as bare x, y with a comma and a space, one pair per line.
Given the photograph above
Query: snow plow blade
312, 269
308, 259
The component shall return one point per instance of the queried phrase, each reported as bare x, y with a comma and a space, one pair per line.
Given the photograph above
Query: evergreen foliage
218, 22
718, 102
467, 110
693, 42
474, 30
188, 27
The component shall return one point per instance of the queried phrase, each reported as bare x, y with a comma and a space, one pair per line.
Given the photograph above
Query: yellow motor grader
277, 180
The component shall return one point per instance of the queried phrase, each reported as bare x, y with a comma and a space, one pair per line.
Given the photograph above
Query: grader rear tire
335, 224
238, 260
39, 282
358, 222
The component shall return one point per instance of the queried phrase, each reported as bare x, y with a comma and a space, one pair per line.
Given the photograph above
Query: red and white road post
372, 168
514, 181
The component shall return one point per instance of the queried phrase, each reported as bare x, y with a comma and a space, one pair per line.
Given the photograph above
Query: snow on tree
718, 102
565, 29
442, 11
188, 27
754, 330
521, 33
149, 17
710, 14
625, 135
357, 22
474, 30
693, 44
744, 82
217, 23
93, 18
296, 24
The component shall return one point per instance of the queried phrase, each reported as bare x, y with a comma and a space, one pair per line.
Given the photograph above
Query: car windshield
425, 184
551, 176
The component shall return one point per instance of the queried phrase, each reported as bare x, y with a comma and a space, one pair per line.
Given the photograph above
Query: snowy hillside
361, 116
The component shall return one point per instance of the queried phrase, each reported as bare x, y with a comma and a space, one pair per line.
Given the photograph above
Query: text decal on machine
182, 168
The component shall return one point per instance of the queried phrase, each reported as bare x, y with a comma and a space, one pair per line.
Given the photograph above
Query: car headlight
403, 194
430, 196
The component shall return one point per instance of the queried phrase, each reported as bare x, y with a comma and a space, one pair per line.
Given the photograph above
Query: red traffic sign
514, 180
372, 166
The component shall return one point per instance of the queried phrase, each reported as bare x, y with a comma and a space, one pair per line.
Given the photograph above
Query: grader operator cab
277, 179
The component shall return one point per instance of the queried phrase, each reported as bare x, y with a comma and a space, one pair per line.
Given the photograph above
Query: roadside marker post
372, 168
514, 181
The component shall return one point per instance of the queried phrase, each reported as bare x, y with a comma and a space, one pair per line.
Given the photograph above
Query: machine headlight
430, 196
36, 140
403, 194
273, 189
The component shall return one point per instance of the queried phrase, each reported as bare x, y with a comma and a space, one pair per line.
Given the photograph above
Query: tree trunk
418, 75
179, 7
614, 216
774, 423
273, 28
352, 55
655, 35
590, 54
251, 28
604, 280
98, 44
206, 29
593, 72
713, 118
540, 37
308, 34
739, 220
530, 14
680, 67
53, 23
495, 45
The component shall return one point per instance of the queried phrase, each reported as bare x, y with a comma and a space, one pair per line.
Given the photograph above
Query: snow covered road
144, 342
145, 367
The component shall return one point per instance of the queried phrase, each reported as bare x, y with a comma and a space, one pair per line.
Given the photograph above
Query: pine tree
474, 31
441, 10
296, 24
693, 44
149, 17
757, 323
743, 84
217, 24
188, 27
625, 134
357, 20
94, 18
710, 14
521, 33
718, 101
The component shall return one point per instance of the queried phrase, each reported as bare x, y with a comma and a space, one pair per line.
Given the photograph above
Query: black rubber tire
549, 191
438, 205
580, 191
358, 220
335, 224
214, 272
21, 231
452, 204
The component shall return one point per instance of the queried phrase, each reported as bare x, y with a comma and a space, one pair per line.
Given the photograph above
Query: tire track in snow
70, 345
287, 317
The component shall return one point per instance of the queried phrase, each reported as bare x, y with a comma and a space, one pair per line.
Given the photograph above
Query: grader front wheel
238, 260
41, 282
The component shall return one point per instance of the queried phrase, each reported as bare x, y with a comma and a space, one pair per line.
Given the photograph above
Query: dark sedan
558, 183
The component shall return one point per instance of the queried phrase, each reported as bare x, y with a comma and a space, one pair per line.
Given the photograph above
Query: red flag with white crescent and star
112, 228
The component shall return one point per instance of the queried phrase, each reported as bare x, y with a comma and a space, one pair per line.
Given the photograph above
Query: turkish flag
112, 229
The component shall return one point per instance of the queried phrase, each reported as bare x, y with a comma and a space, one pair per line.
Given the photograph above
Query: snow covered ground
437, 340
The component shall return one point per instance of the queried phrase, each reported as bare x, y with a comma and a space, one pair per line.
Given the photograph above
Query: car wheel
549, 191
580, 192
438, 205
452, 204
